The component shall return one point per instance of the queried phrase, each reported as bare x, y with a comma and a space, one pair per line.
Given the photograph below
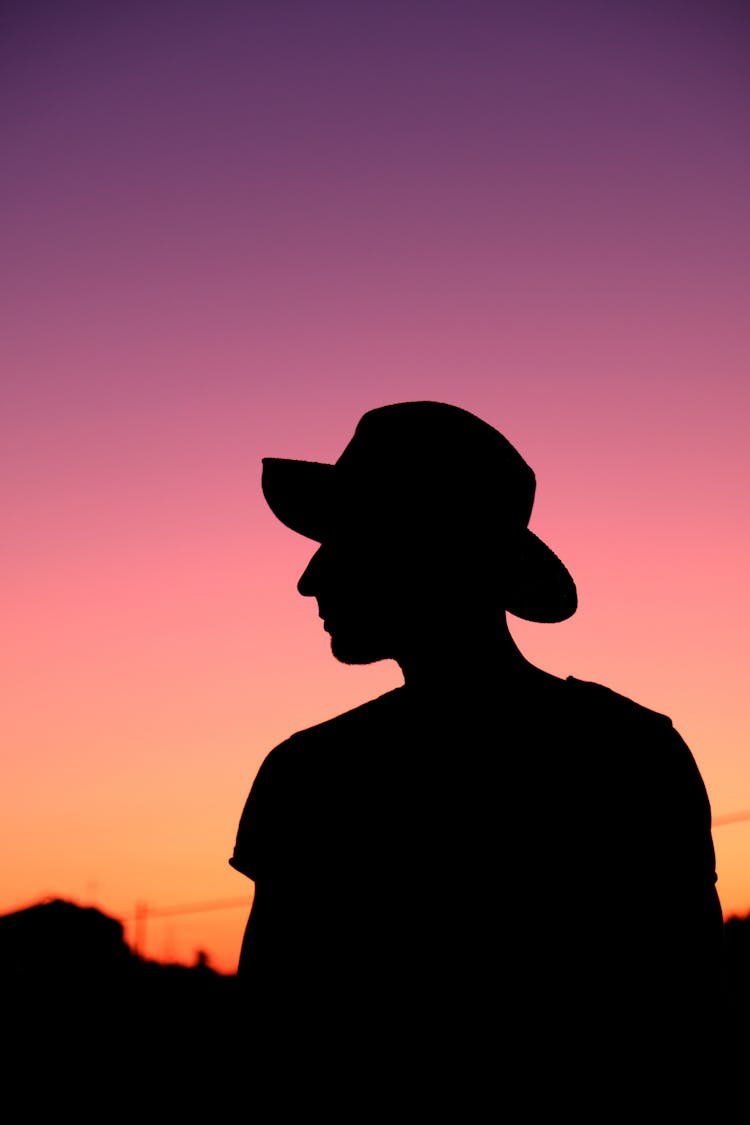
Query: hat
419, 468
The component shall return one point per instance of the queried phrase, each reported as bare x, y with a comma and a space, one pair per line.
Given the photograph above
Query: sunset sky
228, 229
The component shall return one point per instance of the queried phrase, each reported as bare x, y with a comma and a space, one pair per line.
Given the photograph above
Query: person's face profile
371, 594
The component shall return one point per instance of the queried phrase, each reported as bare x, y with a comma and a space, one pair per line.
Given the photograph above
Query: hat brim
301, 495
540, 586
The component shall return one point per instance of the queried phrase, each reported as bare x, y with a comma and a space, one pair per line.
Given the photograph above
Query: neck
466, 659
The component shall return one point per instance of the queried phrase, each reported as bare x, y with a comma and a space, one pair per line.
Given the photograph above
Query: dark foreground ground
157, 1041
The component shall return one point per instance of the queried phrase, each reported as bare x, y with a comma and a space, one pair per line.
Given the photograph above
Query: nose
308, 581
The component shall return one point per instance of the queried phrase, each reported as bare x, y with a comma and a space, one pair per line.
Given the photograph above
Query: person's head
423, 529
386, 593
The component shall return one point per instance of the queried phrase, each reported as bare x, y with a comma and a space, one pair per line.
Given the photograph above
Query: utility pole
139, 940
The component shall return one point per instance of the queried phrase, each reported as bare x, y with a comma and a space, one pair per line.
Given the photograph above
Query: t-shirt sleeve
252, 843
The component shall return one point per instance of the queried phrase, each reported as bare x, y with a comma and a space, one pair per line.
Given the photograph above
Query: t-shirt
541, 865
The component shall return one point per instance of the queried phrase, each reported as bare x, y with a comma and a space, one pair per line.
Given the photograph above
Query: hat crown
433, 455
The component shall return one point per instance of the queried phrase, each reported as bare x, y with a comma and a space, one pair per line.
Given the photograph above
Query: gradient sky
230, 228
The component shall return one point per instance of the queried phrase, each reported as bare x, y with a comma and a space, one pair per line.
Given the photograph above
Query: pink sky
229, 230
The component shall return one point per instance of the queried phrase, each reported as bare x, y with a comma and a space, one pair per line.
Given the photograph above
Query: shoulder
301, 775
630, 733
365, 717
604, 703
314, 746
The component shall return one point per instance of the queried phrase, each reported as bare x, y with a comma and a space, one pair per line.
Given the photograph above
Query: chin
356, 650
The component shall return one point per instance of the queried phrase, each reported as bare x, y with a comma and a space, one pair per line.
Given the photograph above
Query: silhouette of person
489, 871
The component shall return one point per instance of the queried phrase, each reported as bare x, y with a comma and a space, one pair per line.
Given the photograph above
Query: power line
192, 908
731, 818
143, 912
